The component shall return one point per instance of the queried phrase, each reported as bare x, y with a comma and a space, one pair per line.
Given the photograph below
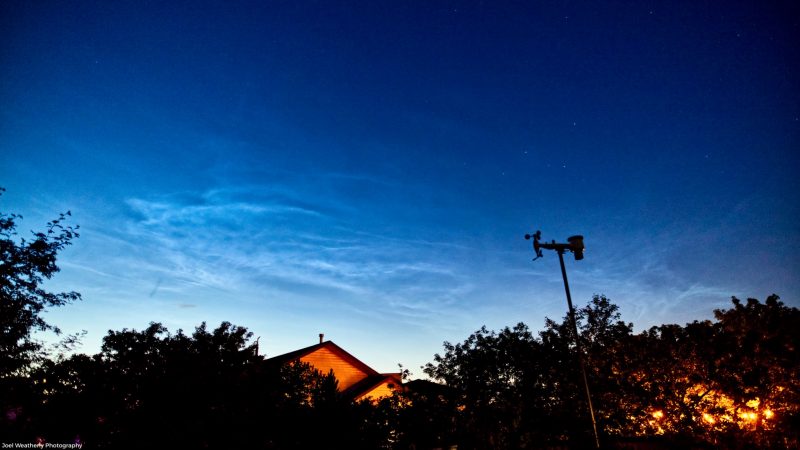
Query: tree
24, 265
731, 383
496, 388
727, 383
181, 390
760, 371
602, 337
207, 389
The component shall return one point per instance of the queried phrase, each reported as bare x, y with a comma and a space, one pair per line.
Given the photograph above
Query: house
357, 380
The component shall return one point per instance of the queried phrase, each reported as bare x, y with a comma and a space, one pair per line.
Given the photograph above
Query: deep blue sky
368, 170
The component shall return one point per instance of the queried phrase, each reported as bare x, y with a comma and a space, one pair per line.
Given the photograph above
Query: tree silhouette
727, 383
204, 390
24, 265
732, 382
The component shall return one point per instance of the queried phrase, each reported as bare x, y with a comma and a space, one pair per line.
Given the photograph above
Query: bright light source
658, 415
768, 414
709, 418
750, 416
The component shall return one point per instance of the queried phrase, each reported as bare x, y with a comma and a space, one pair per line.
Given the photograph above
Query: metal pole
578, 346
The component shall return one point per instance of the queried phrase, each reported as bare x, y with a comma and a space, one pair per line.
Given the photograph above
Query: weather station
575, 245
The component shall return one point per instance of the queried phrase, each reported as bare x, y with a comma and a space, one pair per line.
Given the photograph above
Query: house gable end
326, 357
325, 360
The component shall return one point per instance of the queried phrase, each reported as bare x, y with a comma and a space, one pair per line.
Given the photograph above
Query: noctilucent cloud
368, 170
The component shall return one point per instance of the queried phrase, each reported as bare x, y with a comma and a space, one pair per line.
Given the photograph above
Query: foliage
728, 383
490, 374
204, 390
24, 265
733, 381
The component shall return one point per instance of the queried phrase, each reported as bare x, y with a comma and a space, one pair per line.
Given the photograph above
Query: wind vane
574, 244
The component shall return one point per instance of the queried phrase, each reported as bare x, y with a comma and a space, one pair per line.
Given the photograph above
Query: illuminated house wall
356, 380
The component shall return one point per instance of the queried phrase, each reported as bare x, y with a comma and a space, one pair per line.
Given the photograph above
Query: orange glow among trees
749, 416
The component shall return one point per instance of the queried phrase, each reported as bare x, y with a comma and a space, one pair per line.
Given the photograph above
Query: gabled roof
297, 354
369, 383
371, 378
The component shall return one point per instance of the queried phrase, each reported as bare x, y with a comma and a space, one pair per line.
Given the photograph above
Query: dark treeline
728, 383
731, 382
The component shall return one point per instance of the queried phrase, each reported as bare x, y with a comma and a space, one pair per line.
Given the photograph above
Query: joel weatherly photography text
41, 445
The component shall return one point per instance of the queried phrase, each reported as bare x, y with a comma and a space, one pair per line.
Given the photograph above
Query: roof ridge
297, 354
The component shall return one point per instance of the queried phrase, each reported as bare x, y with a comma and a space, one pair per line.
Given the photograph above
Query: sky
368, 170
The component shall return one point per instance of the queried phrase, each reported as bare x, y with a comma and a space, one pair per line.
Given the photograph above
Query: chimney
321, 336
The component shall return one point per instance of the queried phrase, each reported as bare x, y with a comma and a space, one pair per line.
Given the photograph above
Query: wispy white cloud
646, 277
271, 241
301, 255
